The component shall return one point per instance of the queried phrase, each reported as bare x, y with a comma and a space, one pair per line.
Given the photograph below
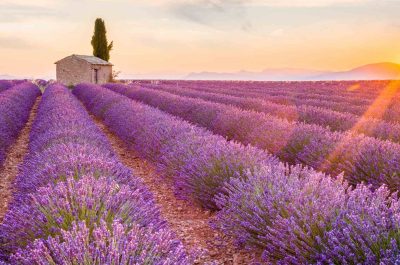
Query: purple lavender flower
300, 217
363, 159
105, 244
202, 162
5, 84
15, 106
334, 95
283, 210
366, 230
336, 121
89, 199
292, 213
71, 174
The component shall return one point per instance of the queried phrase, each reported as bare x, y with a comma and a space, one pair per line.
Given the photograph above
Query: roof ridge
94, 60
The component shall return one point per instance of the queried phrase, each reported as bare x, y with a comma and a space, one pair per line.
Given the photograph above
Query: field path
190, 223
15, 157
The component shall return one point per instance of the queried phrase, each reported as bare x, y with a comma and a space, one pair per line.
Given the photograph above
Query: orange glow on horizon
382, 102
375, 111
354, 87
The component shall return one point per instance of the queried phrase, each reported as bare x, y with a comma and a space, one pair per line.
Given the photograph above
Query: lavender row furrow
387, 98
76, 203
7, 84
302, 91
295, 215
200, 160
15, 106
357, 92
283, 100
301, 94
353, 92
363, 159
335, 121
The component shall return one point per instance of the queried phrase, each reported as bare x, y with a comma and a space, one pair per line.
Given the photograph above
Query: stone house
77, 69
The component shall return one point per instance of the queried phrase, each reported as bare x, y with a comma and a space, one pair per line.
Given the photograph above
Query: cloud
225, 14
14, 43
219, 14
308, 3
271, 3
277, 32
10, 12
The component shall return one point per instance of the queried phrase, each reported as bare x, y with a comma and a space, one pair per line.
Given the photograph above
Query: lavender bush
65, 142
366, 230
71, 175
337, 91
281, 210
106, 244
15, 106
89, 199
201, 161
337, 96
294, 214
5, 84
302, 217
361, 158
336, 121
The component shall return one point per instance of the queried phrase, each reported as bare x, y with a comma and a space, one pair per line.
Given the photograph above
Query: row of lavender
294, 214
354, 92
75, 203
368, 89
363, 159
388, 100
6, 84
302, 92
336, 121
15, 106
358, 93
203, 160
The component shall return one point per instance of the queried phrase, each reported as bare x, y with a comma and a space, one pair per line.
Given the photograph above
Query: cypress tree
101, 48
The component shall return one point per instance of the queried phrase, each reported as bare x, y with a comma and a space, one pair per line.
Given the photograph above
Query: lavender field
200, 172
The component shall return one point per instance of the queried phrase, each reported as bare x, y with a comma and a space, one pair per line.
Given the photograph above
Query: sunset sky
162, 38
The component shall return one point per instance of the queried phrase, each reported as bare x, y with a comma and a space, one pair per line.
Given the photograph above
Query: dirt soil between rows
190, 223
15, 157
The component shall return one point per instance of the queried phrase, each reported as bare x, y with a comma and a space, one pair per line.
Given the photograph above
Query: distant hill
14, 77
268, 74
378, 71
7, 77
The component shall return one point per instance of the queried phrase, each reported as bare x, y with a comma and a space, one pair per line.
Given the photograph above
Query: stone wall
104, 73
72, 71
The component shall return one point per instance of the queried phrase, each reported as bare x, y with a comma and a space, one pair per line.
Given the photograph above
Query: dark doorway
96, 78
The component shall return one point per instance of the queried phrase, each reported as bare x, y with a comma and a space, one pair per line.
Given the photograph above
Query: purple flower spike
106, 244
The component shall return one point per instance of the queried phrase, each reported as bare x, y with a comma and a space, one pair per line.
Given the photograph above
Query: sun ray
354, 87
376, 110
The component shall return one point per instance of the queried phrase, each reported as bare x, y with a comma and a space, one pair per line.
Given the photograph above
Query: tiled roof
90, 59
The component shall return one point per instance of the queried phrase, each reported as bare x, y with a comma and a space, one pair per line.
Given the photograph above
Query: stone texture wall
104, 73
72, 71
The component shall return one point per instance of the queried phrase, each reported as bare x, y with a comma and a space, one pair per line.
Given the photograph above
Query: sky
171, 38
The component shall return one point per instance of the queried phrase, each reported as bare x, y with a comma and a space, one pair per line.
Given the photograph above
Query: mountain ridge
373, 71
